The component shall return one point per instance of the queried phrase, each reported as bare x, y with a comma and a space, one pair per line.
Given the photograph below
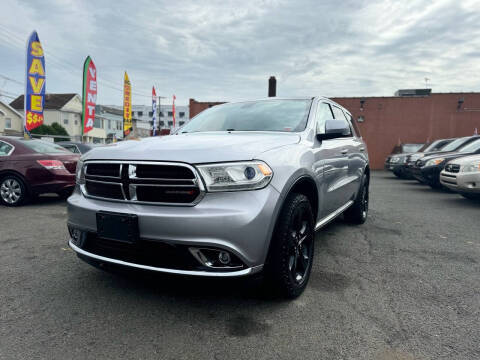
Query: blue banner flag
35, 83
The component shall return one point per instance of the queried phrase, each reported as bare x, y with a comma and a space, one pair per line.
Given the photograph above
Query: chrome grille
157, 183
452, 168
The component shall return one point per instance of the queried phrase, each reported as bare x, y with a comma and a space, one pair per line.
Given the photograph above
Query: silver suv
240, 189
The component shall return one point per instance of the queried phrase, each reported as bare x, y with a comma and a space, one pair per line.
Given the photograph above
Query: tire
398, 175
358, 212
290, 257
471, 196
13, 191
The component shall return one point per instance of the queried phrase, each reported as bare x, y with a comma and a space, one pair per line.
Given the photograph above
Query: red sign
89, 94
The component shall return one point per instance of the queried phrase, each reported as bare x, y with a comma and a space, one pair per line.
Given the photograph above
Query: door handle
344, 151
362, 149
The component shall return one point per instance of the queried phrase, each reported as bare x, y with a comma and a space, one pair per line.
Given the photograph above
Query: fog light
76, 235
224, 257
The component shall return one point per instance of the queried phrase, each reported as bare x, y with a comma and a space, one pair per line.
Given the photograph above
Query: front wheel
358, 212
290, 257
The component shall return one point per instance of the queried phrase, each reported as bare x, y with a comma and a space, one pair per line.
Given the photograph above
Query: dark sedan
399, 163
32, 167
428, 168
77, 147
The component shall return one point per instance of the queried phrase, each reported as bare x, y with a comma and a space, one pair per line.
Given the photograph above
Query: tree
54, 129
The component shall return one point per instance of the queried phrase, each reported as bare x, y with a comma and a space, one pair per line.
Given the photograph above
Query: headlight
395, 159
474, 166
433, 162
79, 173
250, 175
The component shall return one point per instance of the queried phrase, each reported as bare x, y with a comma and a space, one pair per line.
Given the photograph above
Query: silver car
239, 190
463, 176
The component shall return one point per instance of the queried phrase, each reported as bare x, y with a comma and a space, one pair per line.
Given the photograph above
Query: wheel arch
4, 173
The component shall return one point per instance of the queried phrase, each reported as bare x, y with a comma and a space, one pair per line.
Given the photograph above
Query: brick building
407, 118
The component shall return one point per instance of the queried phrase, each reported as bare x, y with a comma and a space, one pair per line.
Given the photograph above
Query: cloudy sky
226, 50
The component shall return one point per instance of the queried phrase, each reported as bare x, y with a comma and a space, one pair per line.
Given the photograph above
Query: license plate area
117, 227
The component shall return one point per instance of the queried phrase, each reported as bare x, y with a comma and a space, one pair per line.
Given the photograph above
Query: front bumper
461, 182
426, 174
238, 222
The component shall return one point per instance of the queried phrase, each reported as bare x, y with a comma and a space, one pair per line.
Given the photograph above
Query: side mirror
335, 129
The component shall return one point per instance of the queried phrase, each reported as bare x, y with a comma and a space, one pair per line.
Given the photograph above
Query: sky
226, 50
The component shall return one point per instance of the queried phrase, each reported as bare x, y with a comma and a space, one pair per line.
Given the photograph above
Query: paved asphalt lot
406, 285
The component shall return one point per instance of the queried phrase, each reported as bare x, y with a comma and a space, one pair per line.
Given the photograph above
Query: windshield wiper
230, 129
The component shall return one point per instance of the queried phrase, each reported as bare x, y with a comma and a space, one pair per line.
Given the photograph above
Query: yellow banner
127, 105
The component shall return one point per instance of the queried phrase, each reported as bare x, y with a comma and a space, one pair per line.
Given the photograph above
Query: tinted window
339, 115
356, 130
72, 148
472, 147
267, 115
5, 148
43, 147
324, 113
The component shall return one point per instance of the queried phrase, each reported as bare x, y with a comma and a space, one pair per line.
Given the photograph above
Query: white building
66, 110
11, 120
142, 114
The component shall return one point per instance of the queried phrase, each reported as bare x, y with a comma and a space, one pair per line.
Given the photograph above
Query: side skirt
333, 215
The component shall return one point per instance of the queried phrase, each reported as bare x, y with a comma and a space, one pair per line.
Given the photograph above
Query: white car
463, 176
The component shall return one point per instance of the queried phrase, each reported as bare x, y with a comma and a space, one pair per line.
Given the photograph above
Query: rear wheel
358, 212
13, 191
290, 258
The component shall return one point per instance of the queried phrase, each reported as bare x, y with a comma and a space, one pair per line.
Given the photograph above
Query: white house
11, 120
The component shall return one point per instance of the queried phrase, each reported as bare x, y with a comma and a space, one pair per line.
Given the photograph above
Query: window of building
150, 113
170, 123
119, 125
65, 121
109, 123
97, 123
170, 114
182, 123
161, 114
181, 114
8, 123
133, 113
140, 113
76, 122
162, 123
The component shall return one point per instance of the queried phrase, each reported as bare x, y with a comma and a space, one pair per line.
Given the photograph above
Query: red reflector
51, 164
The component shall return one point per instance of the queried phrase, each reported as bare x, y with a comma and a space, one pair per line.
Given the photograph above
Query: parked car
396, 160
238, 190
77, 147
427, 169
463, 176
404, 164
451, 146
32, 167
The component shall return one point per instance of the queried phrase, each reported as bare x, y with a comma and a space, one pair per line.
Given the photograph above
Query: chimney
272, 87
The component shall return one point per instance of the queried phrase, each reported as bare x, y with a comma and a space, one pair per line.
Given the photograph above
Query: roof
52, 101
11, 108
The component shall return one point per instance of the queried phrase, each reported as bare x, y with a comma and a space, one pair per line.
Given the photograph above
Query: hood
466, 159
195, 148
446, 155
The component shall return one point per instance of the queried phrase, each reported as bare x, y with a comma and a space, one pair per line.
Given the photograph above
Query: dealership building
410, 116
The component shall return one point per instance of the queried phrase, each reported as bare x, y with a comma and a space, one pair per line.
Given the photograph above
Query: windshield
472, 147
266, 115
410, 148
455, 144
436, 145
44, 147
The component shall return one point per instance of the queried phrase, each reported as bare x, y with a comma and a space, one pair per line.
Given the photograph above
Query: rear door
357, 156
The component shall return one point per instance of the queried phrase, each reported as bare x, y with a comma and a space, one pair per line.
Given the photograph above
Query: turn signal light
52, 164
